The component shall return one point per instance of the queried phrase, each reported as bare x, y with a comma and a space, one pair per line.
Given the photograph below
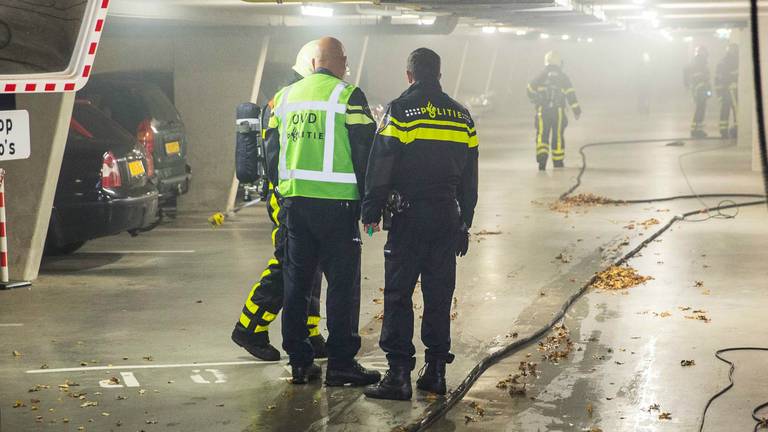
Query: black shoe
318, 345
305, 374
433, 378
558, 164
542, 166
355, 375
396, 385
257, 344
698, 133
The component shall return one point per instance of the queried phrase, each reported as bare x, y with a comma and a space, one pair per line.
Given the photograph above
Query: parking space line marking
129, 379
158, 366
179, 365
204, 229
12, 325
139, 252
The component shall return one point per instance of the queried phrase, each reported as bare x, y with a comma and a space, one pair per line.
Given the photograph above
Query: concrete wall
31, 183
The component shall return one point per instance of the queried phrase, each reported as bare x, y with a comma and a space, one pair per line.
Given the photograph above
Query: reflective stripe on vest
331, 107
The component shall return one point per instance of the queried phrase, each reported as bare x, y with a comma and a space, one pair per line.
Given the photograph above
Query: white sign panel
14, 135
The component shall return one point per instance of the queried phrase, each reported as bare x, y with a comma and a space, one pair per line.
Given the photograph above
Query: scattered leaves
665, 416
618, 278
568, 203
468, 419
687, 363
87, 404
563, 257
479, 410
557, 345
16, 353
19, 404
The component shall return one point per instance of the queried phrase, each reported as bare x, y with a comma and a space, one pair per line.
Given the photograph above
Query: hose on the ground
438, 409
761, 423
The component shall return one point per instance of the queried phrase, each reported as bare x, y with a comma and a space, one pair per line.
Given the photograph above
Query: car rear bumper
170, 187
103, 218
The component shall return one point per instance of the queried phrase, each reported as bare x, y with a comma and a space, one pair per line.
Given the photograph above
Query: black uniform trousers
550, 133
266, 297
700, 96
326, 233
728, 103
421, 242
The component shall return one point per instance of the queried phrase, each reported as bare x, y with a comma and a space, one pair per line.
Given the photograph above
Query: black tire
66, 249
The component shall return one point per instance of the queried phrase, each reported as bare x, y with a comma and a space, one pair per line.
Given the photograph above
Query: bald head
330, 55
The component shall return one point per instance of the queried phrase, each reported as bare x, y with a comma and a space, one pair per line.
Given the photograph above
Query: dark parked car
103, 186
146, 112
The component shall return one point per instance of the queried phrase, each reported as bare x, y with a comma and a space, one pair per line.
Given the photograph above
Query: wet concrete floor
133, 333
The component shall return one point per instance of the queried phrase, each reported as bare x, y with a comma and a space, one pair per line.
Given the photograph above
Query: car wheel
65, 249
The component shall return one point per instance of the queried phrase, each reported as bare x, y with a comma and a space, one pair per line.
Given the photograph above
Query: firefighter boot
256, 344
432, 378
396, 385
355, 375
698, 134
558, 164
734, 132
305, 374
318, 345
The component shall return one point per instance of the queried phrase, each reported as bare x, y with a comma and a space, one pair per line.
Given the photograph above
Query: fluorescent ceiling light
688, 39
666, 34
565, 37
705, 15
723, 33
521, 32
708, 5
489, 29
544, 36
590, 40
427, 20
317, 11
620, 7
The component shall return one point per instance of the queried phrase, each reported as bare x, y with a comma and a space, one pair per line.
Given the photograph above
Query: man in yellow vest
265, 299
318, 141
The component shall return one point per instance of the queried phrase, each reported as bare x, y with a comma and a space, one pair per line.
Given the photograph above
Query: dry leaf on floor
687, 363
618, 278
568, 203
478, 409
378, 301
654, 407
699, 317
486, 233
649, 222
590, 409
468, 419
88, 404
665, 416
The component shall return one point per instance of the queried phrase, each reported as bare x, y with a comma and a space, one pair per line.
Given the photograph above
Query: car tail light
146, 138
110, 172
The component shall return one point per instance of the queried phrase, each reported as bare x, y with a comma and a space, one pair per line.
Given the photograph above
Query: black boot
305, 374
355, 375
396, 385
433, 378
257, 344
318, 345
542, 166
558, 164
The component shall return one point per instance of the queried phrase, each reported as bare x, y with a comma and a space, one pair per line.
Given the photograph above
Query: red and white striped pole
4, 277
5, 280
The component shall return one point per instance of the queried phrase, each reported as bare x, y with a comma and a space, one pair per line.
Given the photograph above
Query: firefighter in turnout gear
265, 300
424, 157
697, 81
552, 93
727, 87
319, 137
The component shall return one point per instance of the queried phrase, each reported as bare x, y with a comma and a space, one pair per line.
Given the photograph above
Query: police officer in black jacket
424, 163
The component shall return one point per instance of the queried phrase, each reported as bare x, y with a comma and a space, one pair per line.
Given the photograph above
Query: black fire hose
438, 409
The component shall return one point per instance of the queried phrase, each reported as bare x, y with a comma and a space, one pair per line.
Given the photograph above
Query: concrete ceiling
579, 16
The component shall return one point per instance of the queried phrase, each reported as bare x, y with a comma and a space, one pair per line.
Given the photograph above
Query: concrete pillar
31, 183
746, 106
213, 72
763, 25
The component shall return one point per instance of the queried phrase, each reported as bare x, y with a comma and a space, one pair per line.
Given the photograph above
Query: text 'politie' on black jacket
426, 149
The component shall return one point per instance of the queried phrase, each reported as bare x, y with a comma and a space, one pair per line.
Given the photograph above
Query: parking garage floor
133, 333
